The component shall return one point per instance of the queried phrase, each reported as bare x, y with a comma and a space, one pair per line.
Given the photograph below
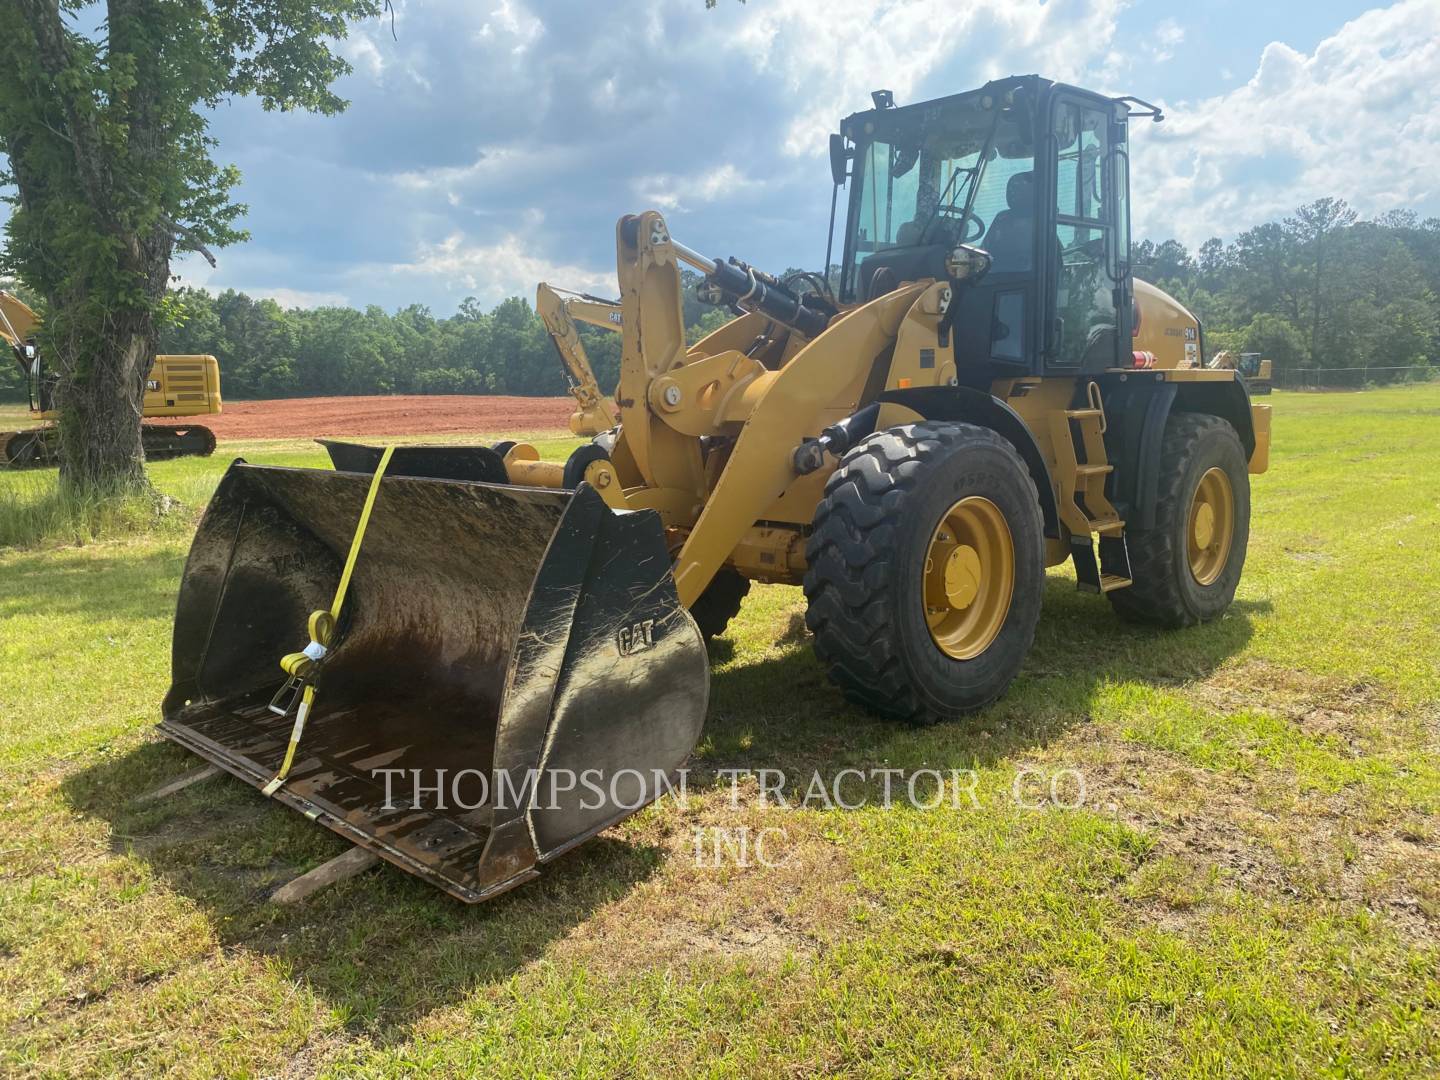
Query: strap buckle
293, 687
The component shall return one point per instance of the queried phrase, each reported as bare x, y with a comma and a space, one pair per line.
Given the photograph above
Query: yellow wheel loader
177, 386
988, 393
596, 410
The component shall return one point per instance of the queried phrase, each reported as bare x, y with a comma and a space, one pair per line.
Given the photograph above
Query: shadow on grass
784, 713
383, 949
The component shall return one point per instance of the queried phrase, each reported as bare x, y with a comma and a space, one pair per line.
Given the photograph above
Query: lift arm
559, 313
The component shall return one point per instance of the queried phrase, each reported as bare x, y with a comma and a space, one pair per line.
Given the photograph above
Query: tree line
1318, 289
268, 351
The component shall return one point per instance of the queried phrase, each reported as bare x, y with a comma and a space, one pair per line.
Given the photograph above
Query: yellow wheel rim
1211, 526
969, 578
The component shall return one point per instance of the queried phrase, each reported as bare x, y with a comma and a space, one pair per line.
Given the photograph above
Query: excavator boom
560, 310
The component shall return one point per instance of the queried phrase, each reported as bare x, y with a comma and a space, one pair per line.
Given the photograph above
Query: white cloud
1356, 118
375, 54
606, 95
293, 298
680, 193
511, 22
363, 55
491, 272
491, 163
833, 54
1168, 34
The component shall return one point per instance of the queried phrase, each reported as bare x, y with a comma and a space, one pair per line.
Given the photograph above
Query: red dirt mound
420, 414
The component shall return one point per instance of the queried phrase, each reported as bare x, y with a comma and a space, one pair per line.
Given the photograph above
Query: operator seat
908, 235
1010, 239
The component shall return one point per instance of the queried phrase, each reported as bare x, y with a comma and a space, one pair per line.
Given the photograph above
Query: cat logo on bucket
636, 638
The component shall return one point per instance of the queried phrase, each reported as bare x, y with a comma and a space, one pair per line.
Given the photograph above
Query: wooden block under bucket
344, 866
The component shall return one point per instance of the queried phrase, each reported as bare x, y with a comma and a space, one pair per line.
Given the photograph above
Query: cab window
1085, 300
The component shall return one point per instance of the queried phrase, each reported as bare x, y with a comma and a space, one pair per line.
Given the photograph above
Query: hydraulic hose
769, 298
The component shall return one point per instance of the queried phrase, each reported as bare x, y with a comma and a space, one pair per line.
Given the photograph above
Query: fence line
1351, 378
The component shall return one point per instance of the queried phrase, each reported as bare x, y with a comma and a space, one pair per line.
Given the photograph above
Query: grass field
1251, 887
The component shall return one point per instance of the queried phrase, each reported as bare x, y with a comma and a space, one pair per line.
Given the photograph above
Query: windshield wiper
970, 175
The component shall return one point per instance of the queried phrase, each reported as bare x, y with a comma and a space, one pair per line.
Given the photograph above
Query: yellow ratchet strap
302, 667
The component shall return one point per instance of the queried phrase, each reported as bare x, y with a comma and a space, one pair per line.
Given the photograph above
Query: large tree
103, 120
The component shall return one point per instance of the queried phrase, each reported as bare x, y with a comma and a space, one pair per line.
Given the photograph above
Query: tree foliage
1319, 289
1374, 288
266, 351
103, 124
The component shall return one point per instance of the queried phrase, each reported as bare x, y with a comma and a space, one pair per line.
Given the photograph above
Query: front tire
719, 603
926, 570
1186, 567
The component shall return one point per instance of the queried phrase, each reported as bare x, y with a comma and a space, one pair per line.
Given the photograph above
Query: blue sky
496, 142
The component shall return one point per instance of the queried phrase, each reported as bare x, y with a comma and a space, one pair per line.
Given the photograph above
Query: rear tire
1177, 582
900, 501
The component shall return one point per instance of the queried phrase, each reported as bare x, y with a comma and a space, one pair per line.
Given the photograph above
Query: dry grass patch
703, 904
1218, 838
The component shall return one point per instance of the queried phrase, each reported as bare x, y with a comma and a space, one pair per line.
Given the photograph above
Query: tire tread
850, 586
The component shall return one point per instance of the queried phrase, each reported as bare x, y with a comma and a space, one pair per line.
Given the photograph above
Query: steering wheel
964, 220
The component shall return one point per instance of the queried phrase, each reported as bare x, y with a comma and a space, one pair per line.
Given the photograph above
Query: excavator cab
17, 330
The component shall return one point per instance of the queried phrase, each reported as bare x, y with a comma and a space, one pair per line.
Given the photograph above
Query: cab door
1089, 303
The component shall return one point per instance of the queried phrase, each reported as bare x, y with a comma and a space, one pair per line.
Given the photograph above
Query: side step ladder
1081, 465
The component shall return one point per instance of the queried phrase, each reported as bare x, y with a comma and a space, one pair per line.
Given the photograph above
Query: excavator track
23, 449
163, 441
37, 447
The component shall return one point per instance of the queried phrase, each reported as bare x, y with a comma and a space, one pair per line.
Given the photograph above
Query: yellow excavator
470, 660
560, 310
177, 386
1253, 368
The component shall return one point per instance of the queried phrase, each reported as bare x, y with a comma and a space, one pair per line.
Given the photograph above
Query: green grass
33, 513
1251, 887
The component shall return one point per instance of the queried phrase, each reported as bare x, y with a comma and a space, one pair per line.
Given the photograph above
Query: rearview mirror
838, 159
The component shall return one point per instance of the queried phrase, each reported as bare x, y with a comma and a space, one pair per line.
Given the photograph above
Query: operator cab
1033, 173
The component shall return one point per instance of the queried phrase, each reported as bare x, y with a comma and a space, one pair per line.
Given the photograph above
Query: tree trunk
100, 394
101, 347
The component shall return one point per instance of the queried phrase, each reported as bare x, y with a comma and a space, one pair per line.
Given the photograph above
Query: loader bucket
440, 462
520, 652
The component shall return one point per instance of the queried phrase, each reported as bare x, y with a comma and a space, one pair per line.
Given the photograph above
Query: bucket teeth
489, 629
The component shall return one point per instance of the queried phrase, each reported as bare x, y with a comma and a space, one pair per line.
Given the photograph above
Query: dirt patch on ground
700, 908
1214, 833
421, 414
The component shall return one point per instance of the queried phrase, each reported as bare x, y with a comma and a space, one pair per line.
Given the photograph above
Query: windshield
935, 176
